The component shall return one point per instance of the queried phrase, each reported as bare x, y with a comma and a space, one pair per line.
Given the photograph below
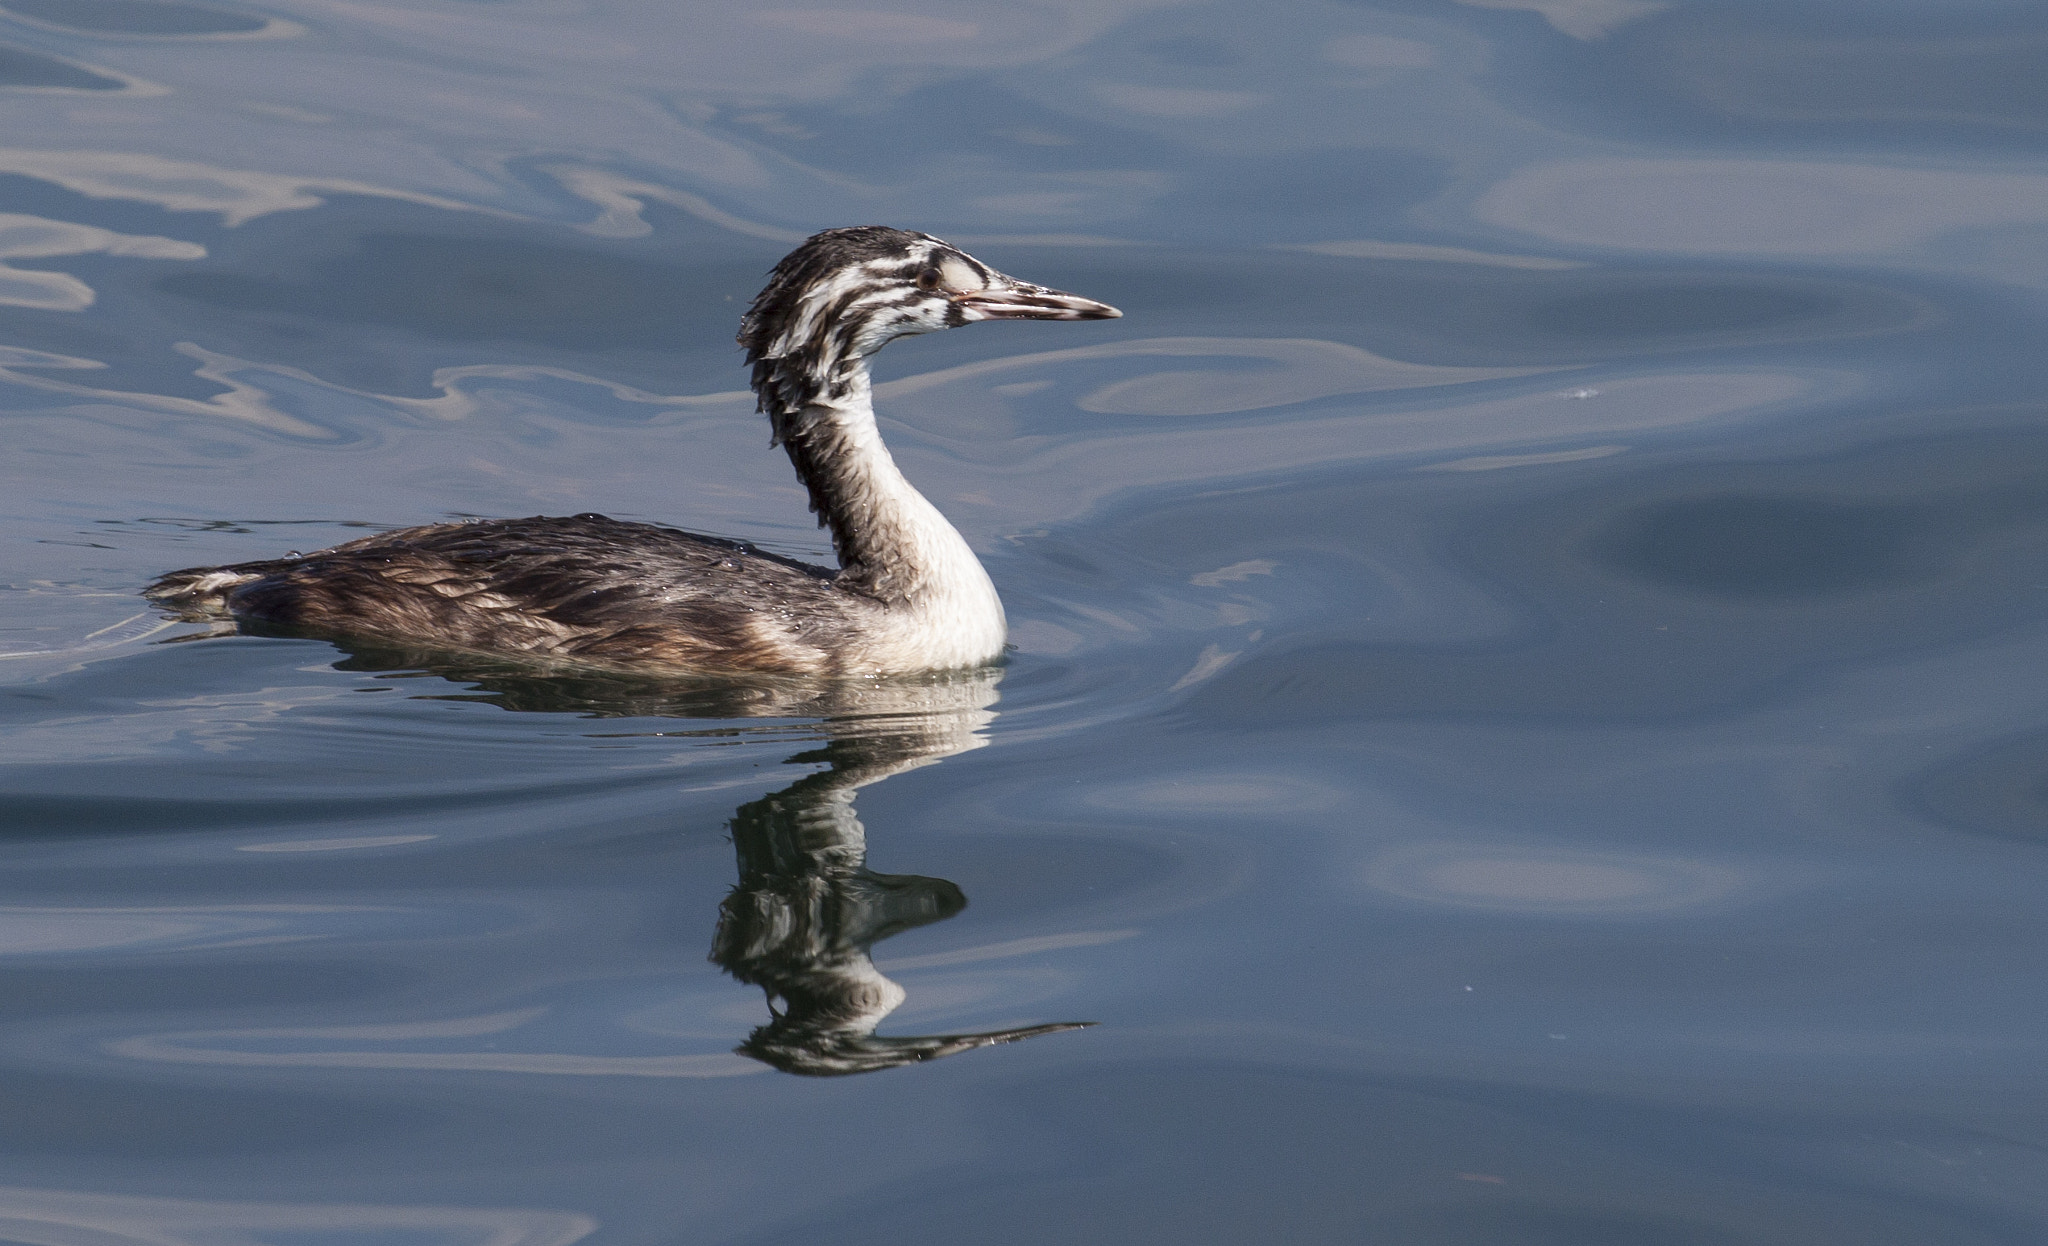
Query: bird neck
893, 545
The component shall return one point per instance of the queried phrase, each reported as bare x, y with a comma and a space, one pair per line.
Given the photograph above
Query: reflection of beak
1007, 299
836, 1053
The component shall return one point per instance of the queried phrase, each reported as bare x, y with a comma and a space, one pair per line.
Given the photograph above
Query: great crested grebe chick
909, 594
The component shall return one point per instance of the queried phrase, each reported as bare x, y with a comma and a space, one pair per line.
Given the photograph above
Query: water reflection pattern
48, 1217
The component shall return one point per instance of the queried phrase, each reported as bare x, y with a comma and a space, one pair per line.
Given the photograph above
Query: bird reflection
806, 909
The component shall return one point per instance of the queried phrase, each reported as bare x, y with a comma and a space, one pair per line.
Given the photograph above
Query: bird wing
582, 587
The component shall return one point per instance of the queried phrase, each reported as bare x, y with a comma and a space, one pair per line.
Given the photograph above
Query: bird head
845, 293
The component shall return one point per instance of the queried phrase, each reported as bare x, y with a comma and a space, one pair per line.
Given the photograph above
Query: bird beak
1008, 299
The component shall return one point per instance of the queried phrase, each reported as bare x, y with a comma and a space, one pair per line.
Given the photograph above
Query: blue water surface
1525, 725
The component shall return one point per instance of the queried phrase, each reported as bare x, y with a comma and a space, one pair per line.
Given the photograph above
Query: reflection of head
803, 937
806, 909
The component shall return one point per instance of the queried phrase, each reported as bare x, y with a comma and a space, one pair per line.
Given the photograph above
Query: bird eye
928, 279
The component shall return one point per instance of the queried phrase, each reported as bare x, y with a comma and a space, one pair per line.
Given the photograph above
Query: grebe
909, 594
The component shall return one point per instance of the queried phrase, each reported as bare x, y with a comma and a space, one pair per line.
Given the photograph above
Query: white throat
939, 608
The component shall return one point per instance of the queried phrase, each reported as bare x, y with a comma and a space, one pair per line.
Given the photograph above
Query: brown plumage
580, 588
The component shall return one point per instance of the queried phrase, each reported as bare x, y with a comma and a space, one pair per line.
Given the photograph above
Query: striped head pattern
845, 293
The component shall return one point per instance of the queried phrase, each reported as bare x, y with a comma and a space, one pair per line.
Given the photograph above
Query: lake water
1526, 725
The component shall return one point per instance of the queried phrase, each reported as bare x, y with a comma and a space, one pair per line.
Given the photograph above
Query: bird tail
202, 592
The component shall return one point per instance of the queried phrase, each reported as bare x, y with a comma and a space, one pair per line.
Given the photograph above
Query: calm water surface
1526, 723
